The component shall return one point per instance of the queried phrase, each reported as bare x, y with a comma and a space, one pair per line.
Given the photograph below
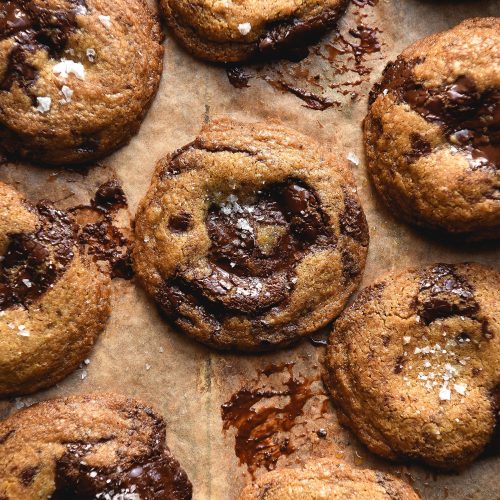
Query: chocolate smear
33, 262
264, 418
469, 117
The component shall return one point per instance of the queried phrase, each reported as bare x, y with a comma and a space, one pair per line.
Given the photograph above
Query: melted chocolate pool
102, 239
34, 261
470, 118
255, 245
263, 422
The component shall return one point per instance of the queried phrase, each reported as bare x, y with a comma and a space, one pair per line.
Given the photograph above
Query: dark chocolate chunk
443, 293
34, 261
469, 118
33, 28
255, 244
110, 195
28, 475
237, 77
419, 147
180, 222
352, 220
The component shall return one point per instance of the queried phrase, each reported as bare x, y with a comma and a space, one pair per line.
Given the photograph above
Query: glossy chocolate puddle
268, 417
255, 245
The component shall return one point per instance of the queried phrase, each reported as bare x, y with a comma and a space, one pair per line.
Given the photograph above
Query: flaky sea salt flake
105, 21
67, 93
66, 67
244, 28
43, 104
444, 393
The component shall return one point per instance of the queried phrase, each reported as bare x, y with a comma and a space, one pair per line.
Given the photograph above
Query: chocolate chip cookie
91, 446
230, 31
432, 134
251, 236
328, 479
414, 364
53, 300
76, 76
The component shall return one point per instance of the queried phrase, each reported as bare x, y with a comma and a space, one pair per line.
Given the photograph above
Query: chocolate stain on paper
266, 416
344, 54
98, 234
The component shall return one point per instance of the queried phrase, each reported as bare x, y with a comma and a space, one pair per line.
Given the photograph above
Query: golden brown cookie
328, 479
76, 76
230, 30
414, 364
53, 301
432, 134
93, 446
251, 236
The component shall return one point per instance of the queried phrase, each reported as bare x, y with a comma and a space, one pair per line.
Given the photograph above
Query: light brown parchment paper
140, 355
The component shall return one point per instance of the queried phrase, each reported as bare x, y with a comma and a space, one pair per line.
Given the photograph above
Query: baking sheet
140, 355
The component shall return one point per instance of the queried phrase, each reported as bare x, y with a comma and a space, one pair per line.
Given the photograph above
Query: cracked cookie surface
251, 236
90, 446
76, 76
328, 479
227, 31
413, 366
53, 301
432, 133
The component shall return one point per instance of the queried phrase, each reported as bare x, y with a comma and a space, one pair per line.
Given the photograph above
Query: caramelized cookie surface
251, 236
76, 76
432, 134
413, 364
